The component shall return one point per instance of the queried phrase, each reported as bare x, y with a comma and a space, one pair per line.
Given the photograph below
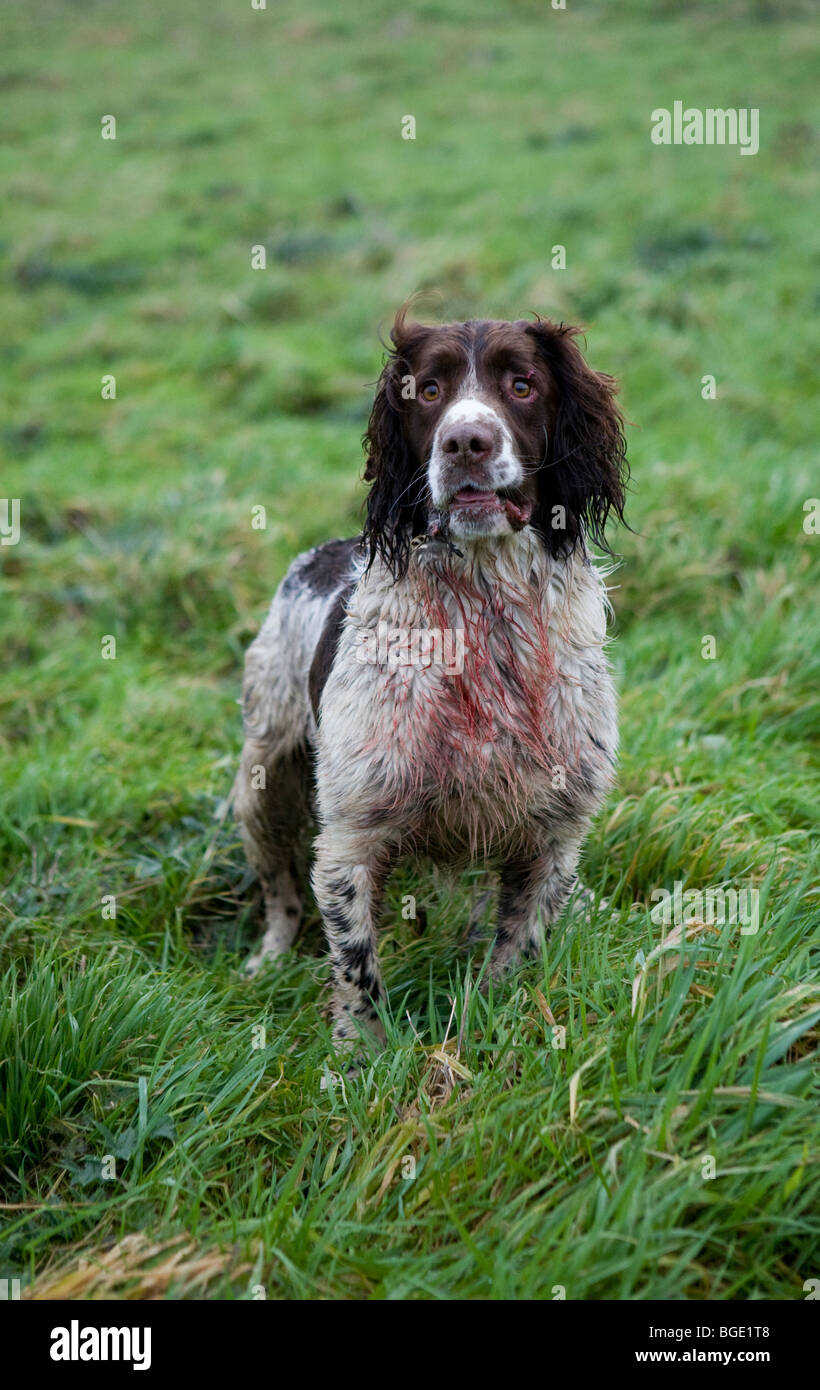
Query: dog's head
479, 429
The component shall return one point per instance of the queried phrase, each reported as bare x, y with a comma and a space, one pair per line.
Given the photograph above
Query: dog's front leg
534, 891
348, 878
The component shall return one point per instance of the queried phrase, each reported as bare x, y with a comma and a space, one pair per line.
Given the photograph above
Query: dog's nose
468, 443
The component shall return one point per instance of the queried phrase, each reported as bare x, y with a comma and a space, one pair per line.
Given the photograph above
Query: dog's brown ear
383, 437
586, 470
394, 507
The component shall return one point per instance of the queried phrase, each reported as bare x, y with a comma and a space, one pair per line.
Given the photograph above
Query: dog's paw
584, 902
278, 938
353, 1039
265, 956
506, 957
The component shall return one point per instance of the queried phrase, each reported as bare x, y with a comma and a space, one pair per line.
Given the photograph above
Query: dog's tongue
470, 498
518, 513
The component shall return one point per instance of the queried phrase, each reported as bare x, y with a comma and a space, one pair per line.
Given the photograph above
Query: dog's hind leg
273, 810
280, 699
534, 892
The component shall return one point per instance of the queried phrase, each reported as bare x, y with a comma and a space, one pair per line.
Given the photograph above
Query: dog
494, 456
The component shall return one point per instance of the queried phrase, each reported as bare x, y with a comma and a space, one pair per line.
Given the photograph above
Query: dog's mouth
481, 503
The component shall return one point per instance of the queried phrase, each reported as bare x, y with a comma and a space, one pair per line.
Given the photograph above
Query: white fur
395, 773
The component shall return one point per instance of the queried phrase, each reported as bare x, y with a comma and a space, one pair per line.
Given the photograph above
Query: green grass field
153, 1140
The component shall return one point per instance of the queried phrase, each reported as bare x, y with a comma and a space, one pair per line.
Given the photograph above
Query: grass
166, 1128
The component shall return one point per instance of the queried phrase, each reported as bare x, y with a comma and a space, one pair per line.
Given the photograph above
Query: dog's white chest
477, 696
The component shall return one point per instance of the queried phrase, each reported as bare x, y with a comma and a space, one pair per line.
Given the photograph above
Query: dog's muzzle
474, 476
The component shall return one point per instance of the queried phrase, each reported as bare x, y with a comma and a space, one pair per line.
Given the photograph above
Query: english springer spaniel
439, 685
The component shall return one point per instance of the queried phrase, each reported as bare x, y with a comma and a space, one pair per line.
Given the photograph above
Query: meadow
634, 1116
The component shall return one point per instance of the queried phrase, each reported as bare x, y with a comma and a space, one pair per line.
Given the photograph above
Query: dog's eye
430, 391
521, 388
